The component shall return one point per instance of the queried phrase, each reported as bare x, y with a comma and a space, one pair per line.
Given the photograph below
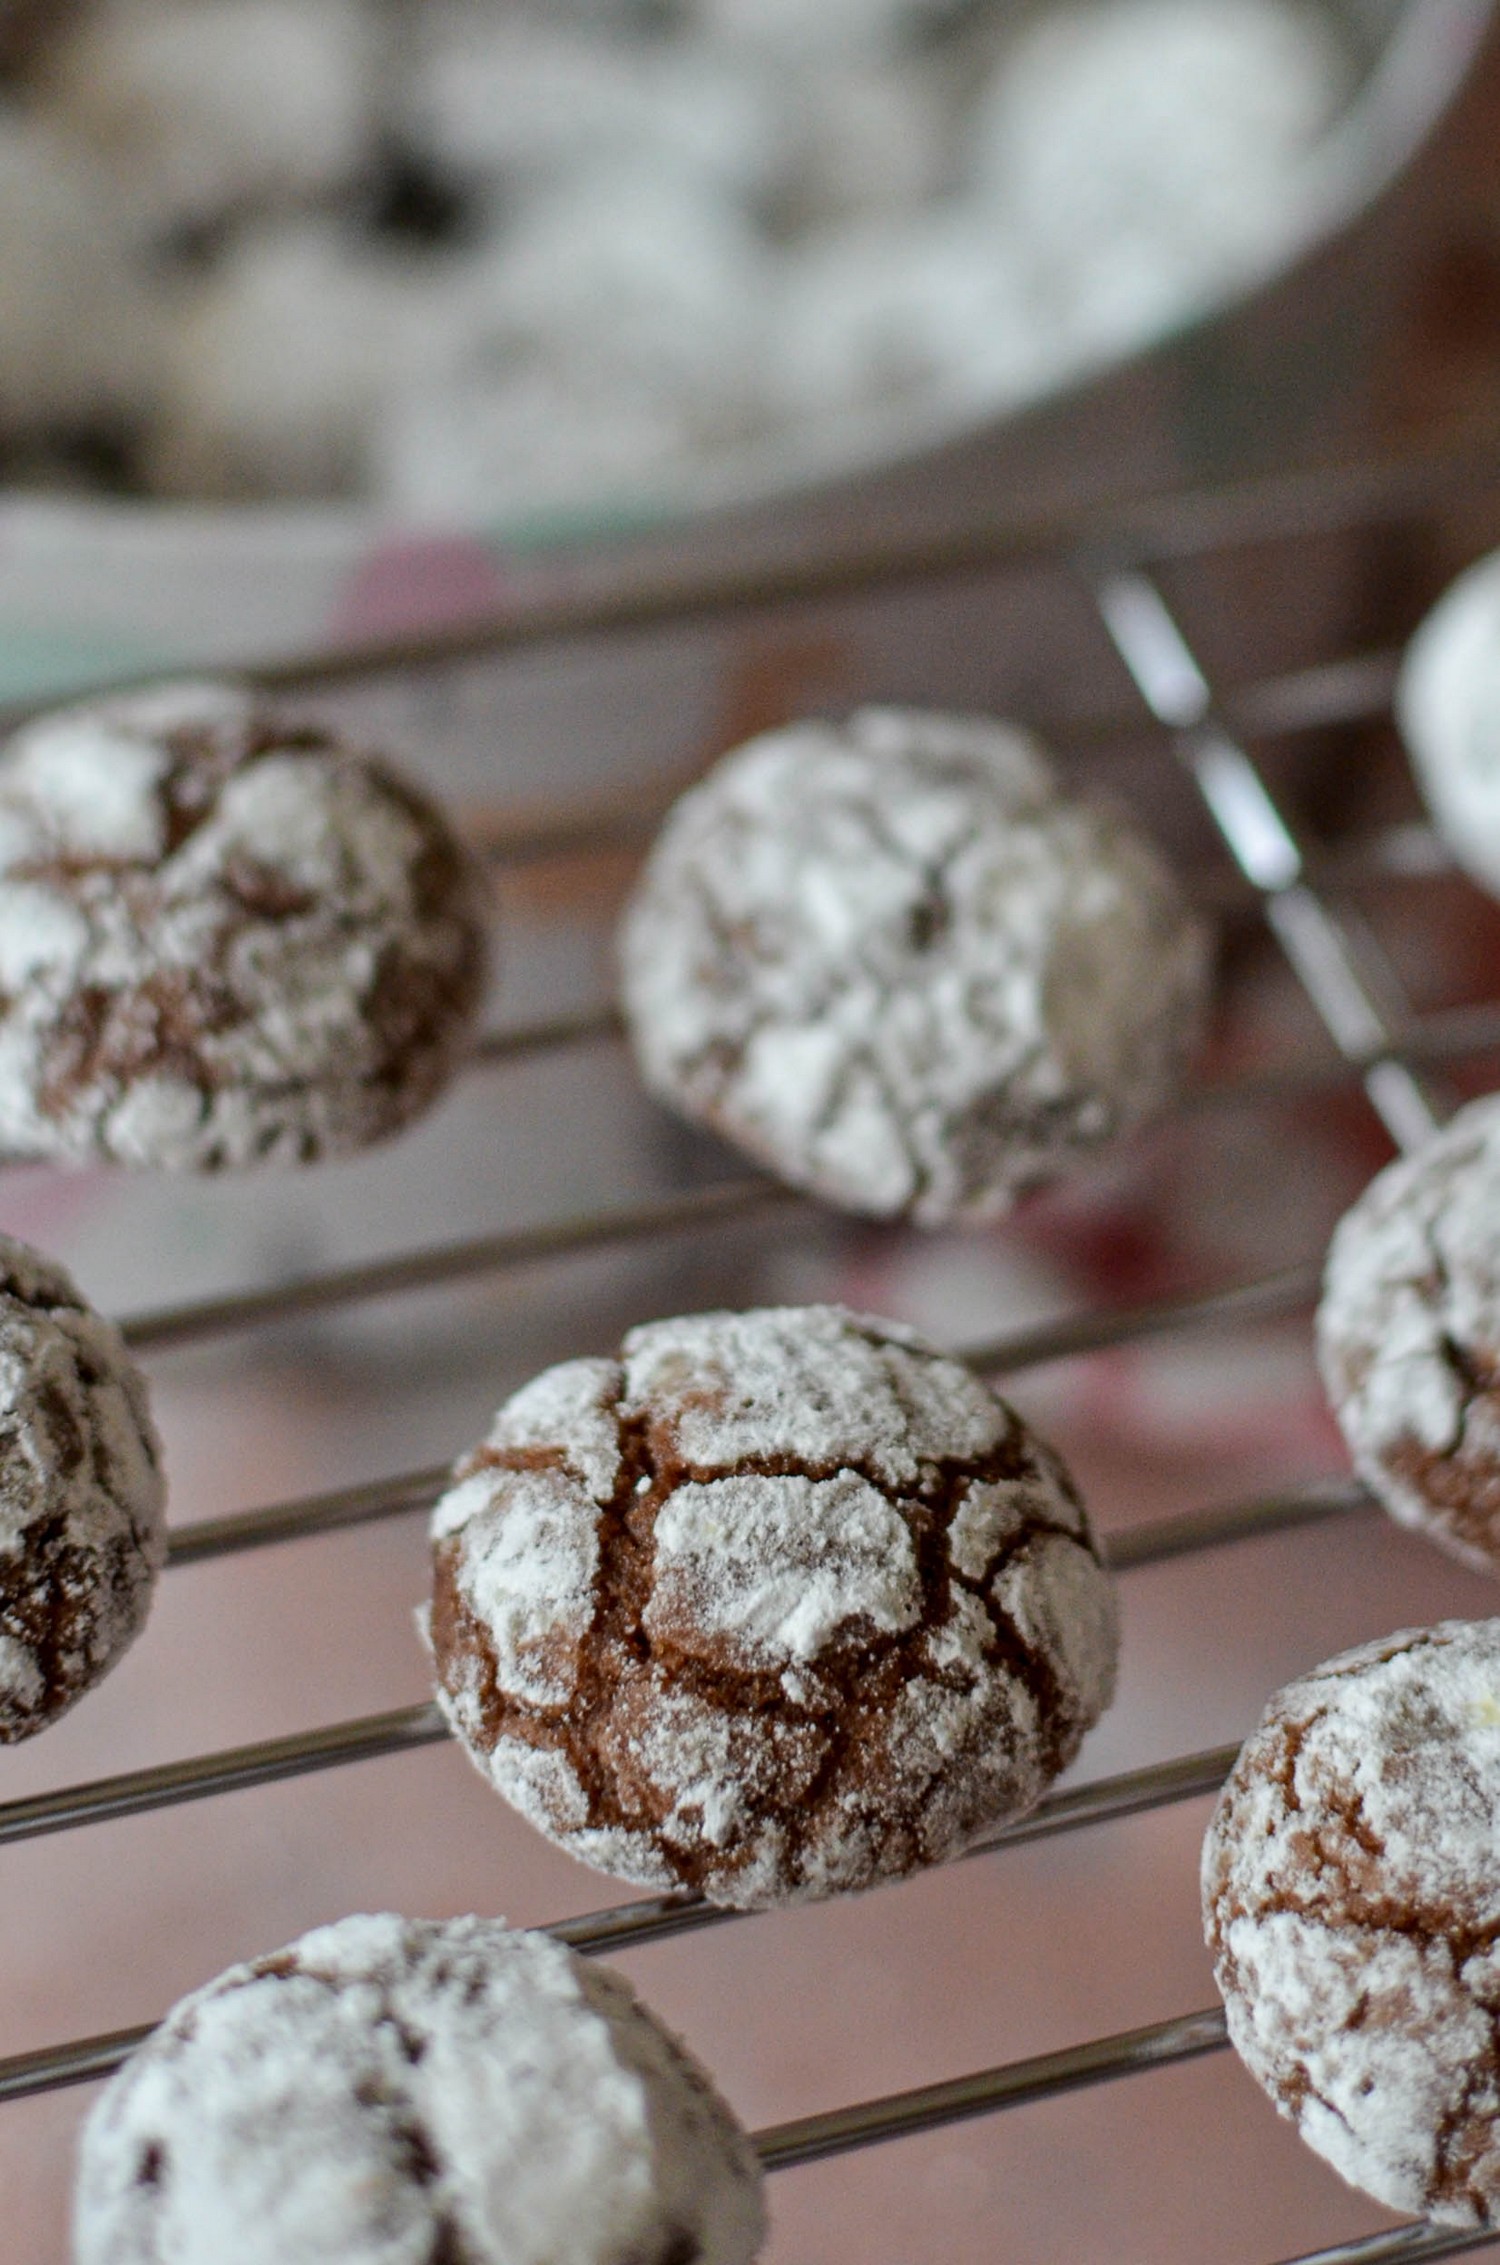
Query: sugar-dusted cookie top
1409, 1335
1351, 1898
892, 962
394, 2091
81, 1494
773, 1605
222, 938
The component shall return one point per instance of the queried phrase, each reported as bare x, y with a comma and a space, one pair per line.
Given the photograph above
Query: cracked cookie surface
223, 939
392, 2091
775, 1604
1409, 1336
81, 1494
892, 963
1351, 1900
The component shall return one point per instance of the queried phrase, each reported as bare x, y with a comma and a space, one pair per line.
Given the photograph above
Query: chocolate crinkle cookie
1352, 1904
889, 960
1448, 707
222, 939
1409, 1336
412, 2092
81, 1494
775, 1604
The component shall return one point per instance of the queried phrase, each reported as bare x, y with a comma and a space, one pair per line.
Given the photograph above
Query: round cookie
1167, 135
1352, 1905
205, 114
237, 415
775, 1604
1409, 1336
81, 1494
415, 2092
222, 940
1448, 707
892, 963
79, 322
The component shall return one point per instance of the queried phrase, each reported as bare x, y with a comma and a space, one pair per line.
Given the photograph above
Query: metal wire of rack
1117, 558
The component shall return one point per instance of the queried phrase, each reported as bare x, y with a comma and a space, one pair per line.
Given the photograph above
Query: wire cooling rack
1123, 562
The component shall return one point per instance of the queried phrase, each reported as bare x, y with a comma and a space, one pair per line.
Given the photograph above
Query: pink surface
410, 583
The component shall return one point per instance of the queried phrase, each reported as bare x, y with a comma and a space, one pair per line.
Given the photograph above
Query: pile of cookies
766, 1606
476, 258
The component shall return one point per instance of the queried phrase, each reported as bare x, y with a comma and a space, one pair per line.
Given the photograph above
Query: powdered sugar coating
1352, 1904
787, 1603
222, 939
242, 413
1448, 706
81, 1494
1175, 132
892, 963
413, 2092
1409, 1335
203, 114
66, 246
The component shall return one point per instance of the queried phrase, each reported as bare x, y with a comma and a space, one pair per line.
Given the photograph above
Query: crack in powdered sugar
81, 1494
776, 1604
889, 960
1352, 1904
411, 2092
222, 939
1409, 1335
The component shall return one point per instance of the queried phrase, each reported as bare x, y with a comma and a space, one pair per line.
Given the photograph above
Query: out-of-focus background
1369, 329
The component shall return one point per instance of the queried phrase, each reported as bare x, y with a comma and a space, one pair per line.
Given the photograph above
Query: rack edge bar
1269, 1298
784, 2145
58, 2065
136, 1792
304, 1515
455, 1262
902, 2114
1414, 2244
1155, 1541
